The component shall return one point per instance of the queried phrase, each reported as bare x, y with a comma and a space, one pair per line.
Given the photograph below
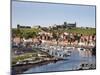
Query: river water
73, 63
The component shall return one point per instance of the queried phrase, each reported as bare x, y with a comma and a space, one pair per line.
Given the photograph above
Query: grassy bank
33, 55
84, 31
33, 32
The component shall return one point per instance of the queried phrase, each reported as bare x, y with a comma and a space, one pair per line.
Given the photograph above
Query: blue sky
46, 14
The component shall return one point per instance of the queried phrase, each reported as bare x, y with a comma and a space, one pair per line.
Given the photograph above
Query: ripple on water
73, 62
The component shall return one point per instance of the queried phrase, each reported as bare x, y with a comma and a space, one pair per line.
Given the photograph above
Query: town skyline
45, 14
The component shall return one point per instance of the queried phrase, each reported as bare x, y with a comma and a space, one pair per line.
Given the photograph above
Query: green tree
16, 32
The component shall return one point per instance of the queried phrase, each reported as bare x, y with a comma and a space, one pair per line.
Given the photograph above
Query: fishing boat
59, 52
81, 49
56, 51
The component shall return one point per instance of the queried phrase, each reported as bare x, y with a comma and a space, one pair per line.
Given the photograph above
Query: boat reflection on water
89, 59
80, 59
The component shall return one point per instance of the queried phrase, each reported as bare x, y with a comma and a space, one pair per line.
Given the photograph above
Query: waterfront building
16, 40
45, 35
